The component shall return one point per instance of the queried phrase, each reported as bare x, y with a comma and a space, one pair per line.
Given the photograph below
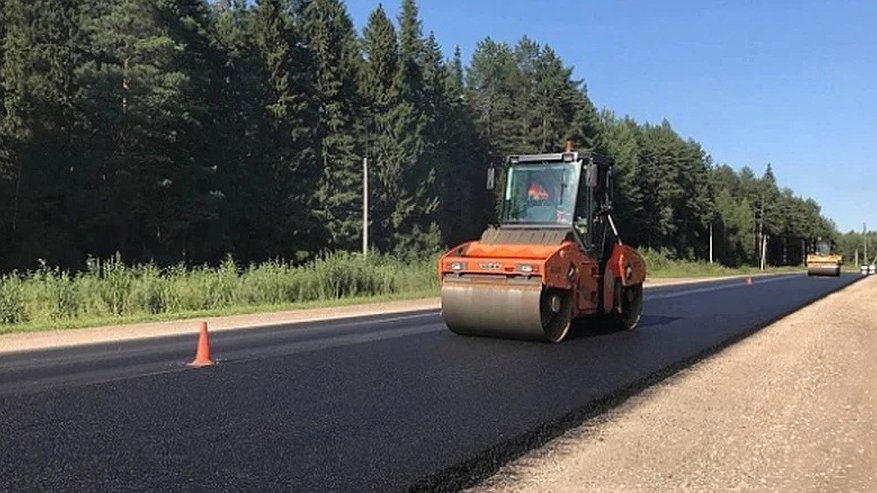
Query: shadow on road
600, 327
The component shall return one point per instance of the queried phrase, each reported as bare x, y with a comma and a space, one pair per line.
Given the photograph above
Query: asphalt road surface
380, 403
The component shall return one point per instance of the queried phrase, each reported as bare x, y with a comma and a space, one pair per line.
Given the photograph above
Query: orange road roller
554, 259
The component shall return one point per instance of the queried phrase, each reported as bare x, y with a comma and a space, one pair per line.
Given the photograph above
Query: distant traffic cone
202, 356
749, 281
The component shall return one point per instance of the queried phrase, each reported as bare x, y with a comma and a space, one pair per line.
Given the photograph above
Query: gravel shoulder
34, 341
791, 408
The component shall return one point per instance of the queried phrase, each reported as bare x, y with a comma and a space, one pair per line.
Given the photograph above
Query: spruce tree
413, 123
658, 155
7, 169
329, 32
490, 93
290, 173
2, 63
404, 202
524, 91
735, 222
629, 197
241, 135
148, 81
39, 130
466, 206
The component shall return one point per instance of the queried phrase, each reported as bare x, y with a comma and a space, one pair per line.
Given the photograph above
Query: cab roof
564, 157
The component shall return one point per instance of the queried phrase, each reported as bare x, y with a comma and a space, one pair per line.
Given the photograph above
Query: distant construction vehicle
823, 260
555, 257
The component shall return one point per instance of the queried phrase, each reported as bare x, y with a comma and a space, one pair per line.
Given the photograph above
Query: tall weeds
109, 288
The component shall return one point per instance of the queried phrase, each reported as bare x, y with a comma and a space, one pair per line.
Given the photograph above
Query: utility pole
804, 252
365, 207
763, 251
711, 242
865, 236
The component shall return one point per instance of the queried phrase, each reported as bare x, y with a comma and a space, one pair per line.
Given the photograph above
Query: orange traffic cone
202, 356
749, 281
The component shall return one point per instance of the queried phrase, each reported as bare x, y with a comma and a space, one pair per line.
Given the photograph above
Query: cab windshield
823, 248
541, 193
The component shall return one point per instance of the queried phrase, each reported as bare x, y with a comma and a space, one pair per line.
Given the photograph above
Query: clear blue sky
792, 83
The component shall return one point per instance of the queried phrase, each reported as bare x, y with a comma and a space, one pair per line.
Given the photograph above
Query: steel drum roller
823, 270
511, 310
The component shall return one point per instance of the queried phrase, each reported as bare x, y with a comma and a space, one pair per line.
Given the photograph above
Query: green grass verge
111, 293
661, 265
85, 322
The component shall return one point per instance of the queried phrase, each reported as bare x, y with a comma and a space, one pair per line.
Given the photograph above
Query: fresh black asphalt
383, 403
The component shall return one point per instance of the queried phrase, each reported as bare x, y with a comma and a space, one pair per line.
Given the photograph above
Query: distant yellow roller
822, 261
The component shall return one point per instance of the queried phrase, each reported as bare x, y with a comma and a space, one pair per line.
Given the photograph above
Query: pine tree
2, 63
242, 134
404, 204
563, 109
39, 128
148, 78
629, 194
381, 49
732, 234
198, 201
290, 176
584, 129
460, 163
413, 122
524, 91
697, 204
330, 33
436, 104
490, 93
7, 169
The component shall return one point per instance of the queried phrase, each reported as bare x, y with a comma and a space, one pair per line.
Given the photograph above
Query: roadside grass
661, 265
109, 292
98, 321
112, 293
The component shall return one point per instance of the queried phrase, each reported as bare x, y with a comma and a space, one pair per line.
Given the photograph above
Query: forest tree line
186, 130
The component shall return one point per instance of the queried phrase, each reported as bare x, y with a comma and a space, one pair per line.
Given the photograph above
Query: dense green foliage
854, 245
670, 193
184, 131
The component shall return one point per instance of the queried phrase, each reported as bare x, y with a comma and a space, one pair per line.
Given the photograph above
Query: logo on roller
490, 266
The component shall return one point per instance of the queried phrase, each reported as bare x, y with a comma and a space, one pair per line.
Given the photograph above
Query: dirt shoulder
791, 408
30, 341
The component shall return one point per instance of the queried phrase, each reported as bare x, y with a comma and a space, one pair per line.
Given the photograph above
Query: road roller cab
555, 257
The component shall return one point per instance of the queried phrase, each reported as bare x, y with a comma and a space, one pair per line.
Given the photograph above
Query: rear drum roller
628, 305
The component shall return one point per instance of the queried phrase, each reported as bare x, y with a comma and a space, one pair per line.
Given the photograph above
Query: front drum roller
511, 310
628, 306
823, 270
